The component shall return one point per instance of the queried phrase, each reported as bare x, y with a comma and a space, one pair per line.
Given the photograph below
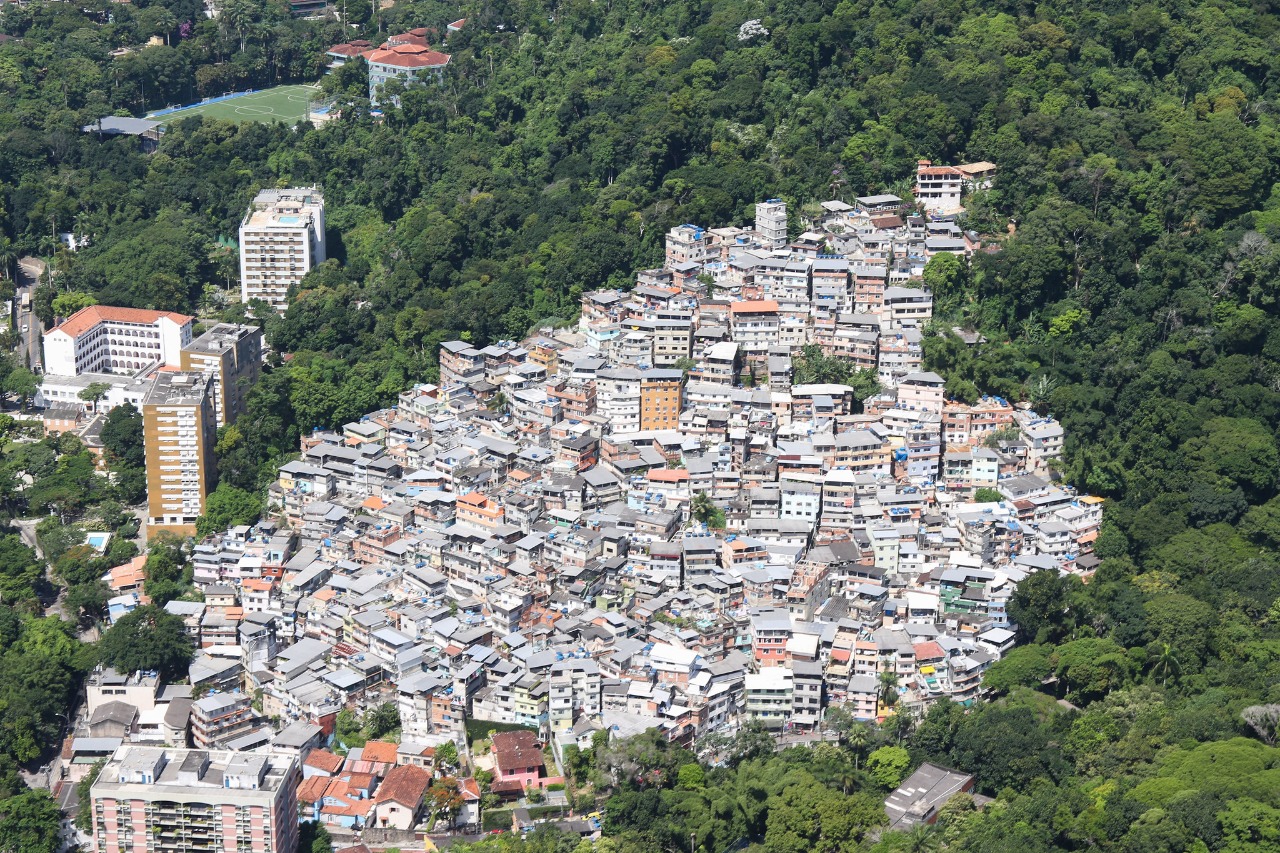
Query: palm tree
1166, 665
901, 723
923, 838
8, 257
888, 688
702, 508
858, 738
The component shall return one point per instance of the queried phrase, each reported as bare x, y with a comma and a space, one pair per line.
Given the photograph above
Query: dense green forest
1133, 296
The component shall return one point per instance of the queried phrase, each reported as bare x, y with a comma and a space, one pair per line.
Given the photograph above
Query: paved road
29, 272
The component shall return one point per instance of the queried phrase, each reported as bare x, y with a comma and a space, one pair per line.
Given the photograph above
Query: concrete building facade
281, 240
179, 432
185, 800
124, 341
232, 356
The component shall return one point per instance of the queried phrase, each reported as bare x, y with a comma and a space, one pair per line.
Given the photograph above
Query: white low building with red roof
105, 339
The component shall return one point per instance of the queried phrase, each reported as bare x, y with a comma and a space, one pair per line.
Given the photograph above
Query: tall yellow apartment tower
179, 428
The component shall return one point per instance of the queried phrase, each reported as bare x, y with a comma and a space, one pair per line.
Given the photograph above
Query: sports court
289, 104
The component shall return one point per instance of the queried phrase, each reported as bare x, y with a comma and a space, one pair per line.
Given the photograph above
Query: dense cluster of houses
644, 521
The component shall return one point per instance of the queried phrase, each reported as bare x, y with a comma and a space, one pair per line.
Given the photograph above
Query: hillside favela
608, 427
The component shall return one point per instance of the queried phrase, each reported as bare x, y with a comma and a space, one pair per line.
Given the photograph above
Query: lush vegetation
1137, 148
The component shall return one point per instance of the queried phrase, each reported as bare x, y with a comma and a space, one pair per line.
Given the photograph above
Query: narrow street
29, 272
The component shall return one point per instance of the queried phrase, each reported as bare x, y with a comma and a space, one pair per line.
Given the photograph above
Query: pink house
518, 758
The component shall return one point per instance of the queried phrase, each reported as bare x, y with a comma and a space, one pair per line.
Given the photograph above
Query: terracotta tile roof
409, 56
405, 784
516, 750
928, 650
86, 318
312, 790
379, 751
349, 49
360, 781
752, 306
324, 760
343, 801
130, 575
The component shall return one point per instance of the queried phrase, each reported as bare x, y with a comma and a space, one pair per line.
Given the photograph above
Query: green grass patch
289, 104
479, 729
496, 819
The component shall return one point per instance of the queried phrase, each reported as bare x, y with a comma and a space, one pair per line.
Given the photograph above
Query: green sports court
289, 104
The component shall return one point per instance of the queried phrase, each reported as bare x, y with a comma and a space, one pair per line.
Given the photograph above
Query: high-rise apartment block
232, 356
179, 431
771, 223
281, 239
105, 339
151, 800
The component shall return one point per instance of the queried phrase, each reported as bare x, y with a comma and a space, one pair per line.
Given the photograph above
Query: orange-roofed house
478, 509
343, 805
105, 339
255, 594
377, 757
310, 795
398, 804
406, 57
341, 54
755, 325
938, 188
130, 577
320, 762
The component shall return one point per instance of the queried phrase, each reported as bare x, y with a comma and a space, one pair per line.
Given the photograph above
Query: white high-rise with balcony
281, 240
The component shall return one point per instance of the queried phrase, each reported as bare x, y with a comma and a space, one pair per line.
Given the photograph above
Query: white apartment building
618, 398
768, 695
771, 223
105, 339
938, 188
281, 240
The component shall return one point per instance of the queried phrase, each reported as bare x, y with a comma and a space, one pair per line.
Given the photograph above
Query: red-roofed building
320, 762
479, 509
400, 796
404, 57
938, 187
344, 805
518, 758
755, 326
341, 54
104, 339
376, 757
